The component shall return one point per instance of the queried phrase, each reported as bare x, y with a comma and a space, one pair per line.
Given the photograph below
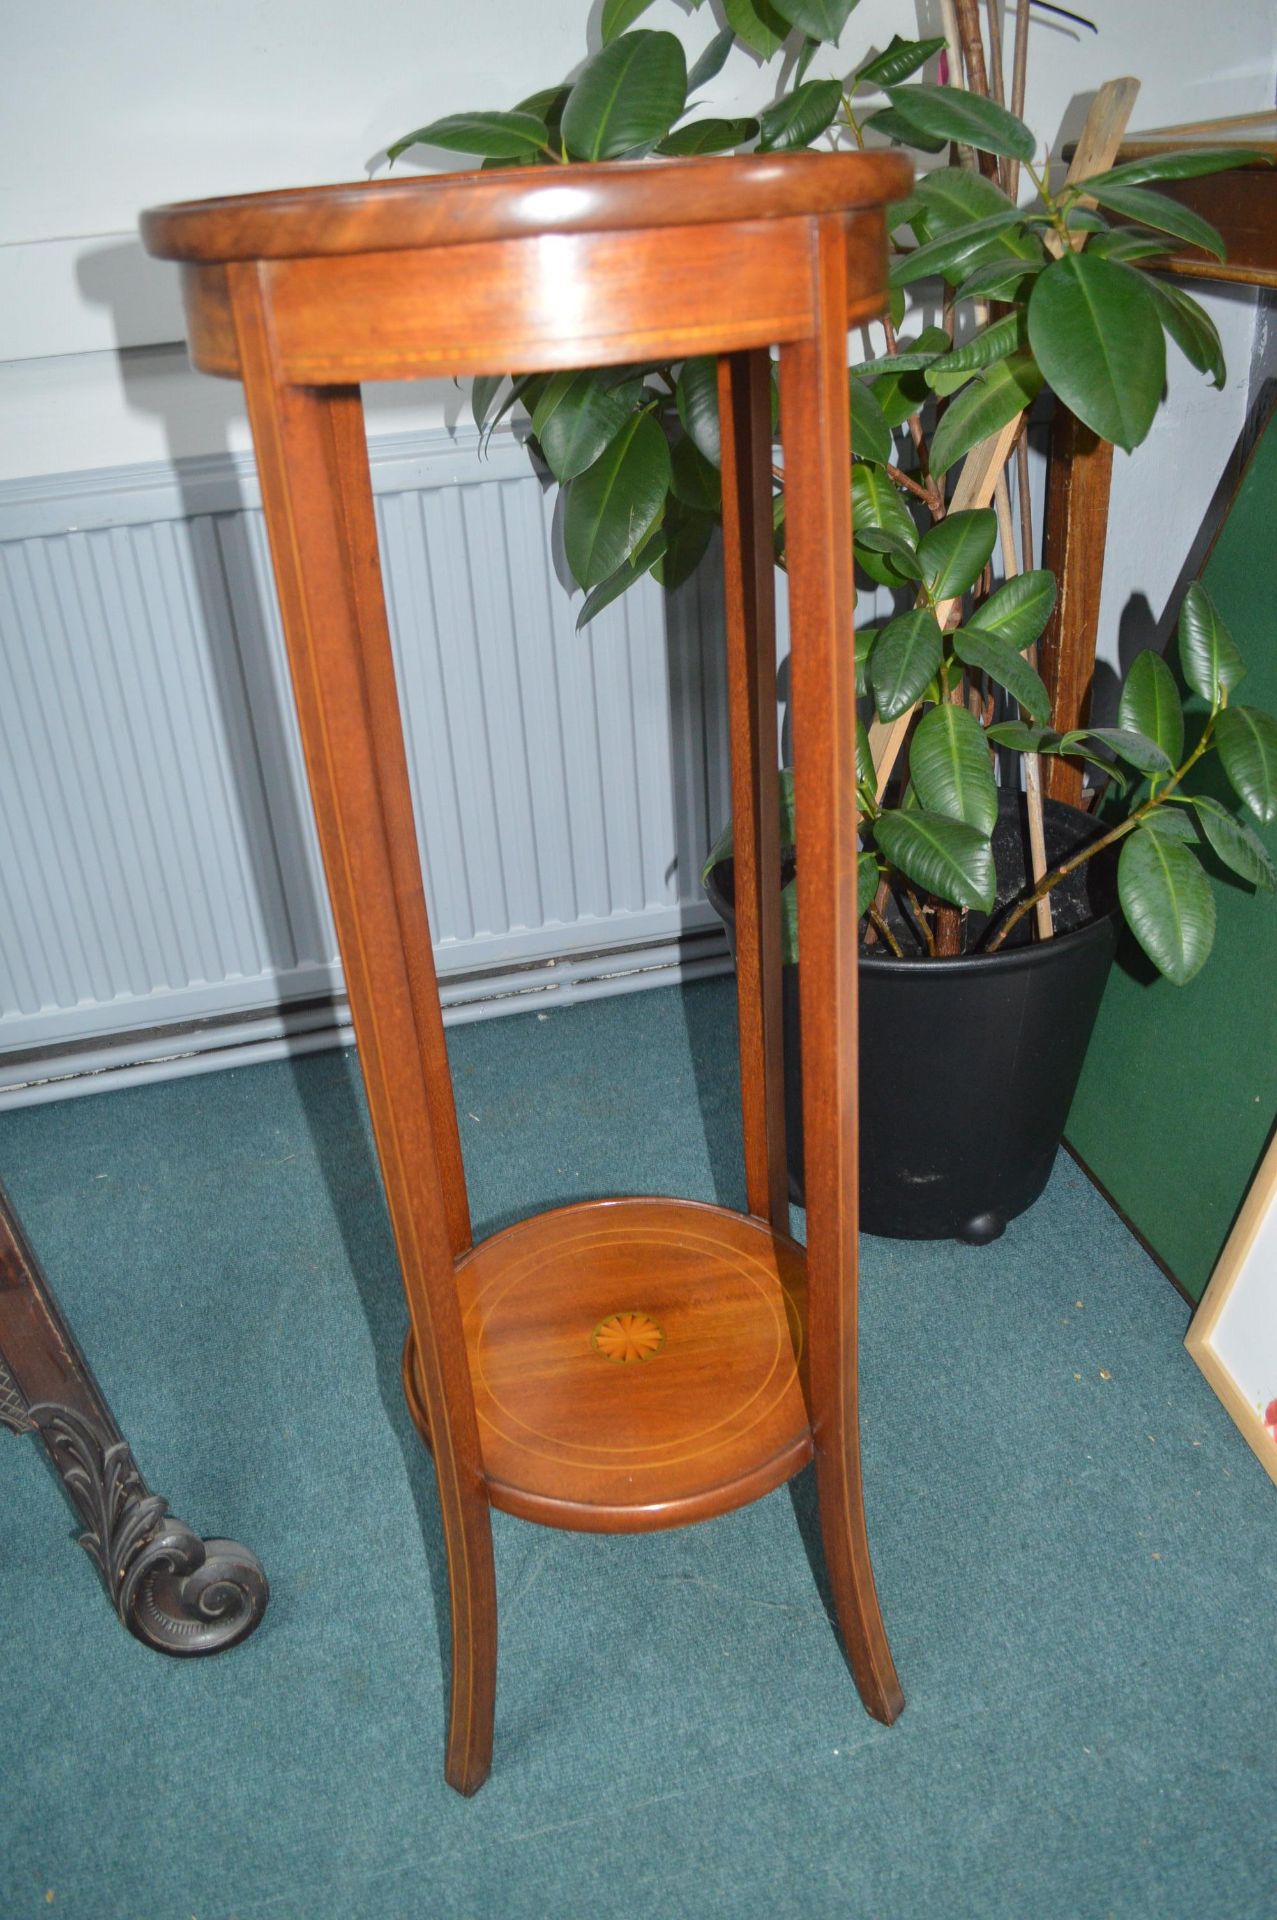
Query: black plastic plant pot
968, 1066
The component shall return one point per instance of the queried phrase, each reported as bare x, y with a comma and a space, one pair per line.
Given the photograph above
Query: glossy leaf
1247, 742
955, 196
1005, 664
629, 95
1150, 704
992, 343
996, 395
899, 127
1173, 823
1126, 742
1124, 243
1168, 903
944, 856
696, 397
1156, 210
866, 639
576, 417
870, 434
866, 881
1191, 328
623, 579
688, 533
800, 117
693, 479
819, 19
950, 767
711, 61
483, 391
1020, 738
949, 252
1237, 845
865, 772
999, 280
497, 136
708, 136
1018, 610
952, 113
758, 24
1208, 655
900, 549
1188, 165
620, 14
898, 59
876, 502
1096, 336
954, 553
906, 657
610, 509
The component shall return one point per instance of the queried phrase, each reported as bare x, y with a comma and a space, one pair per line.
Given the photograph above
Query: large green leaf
1018, 610
944, 856
577, 416
954, 553
1156, 210
483, 392
693, 479
905, 660
711, 61
997, 394
1191, 328
629, 95
999, 279
870, 434
952, 113
899, 127
652, 550
1020, 738
800, 117
881, 540
898, 59
620, 14
955, 196
708, 136
866, 640
819, 19
1247, 742
498, 136
610, 509
696, 396
1208, 654
866, 772
1174, 166
1128, 743
1167, 902
688, 533
994, 342
1124, 243
758, 24
876, 502
950, 767
1005, 664
1237, 845
1096, 336
949, 252
1150, 704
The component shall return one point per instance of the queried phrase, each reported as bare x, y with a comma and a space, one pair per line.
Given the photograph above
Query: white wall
106, 109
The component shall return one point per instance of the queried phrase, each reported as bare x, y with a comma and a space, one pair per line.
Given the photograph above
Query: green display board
1179, 1091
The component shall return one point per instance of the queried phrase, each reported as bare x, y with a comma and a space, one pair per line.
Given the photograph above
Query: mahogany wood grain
816, 433
631, 1364
635, 1363
359, 783
745, 422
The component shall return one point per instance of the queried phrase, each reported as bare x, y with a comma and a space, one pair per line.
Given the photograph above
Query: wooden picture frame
1233, 1336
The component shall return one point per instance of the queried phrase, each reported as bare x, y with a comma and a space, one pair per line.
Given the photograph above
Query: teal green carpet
1076, 1553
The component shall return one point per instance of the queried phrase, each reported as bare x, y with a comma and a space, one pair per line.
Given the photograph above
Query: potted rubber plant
989, 916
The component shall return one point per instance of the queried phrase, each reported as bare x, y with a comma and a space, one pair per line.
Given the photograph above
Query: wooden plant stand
636, 1363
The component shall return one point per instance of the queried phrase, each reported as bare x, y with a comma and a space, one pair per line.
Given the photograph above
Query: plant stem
881, 927
907, 480
921, 921
1123, 827
849, 116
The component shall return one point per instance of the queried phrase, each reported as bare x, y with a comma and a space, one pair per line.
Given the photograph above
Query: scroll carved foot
171, 1589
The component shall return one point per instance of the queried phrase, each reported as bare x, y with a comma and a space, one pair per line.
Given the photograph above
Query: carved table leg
172, 1590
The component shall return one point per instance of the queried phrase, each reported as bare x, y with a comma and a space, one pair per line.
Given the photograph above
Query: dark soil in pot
968, 1066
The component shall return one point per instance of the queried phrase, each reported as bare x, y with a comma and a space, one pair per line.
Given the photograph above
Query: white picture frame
1233, 1336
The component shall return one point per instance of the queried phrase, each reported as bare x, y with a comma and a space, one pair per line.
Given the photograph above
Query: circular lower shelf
635, 1363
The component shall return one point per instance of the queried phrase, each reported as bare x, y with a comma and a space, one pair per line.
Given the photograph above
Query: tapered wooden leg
744, 410
814, 422
316, 493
